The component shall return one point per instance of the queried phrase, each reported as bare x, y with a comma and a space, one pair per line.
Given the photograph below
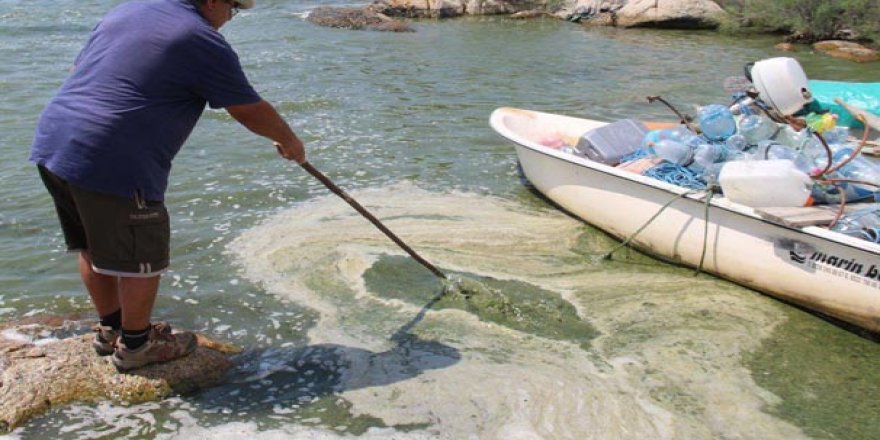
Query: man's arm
262, 119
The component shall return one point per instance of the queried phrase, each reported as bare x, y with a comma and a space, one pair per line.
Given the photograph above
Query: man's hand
292, 151
262, 119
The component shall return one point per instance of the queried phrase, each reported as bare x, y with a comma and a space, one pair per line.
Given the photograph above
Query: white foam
659, 371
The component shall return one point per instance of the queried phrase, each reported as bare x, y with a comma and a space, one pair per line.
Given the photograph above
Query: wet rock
785, 47
455, 8
608, 19
678, 14
590, 12
366, 18
847, 50
39, 373
532, 13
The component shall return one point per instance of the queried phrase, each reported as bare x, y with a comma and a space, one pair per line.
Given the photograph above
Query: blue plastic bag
862, 95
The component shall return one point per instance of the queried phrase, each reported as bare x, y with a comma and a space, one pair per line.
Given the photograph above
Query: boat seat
806, 216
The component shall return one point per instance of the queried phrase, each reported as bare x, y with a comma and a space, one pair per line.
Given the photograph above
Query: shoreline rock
38, 371
356, 18
680, 14
847, 50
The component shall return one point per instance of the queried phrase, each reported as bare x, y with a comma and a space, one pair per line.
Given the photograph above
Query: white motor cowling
782, 84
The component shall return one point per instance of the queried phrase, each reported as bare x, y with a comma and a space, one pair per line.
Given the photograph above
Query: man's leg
143, 342
104, 289
137, 295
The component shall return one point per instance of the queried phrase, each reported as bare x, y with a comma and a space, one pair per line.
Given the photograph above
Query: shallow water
341, 341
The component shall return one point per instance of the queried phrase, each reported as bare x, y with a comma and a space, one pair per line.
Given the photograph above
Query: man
104, 145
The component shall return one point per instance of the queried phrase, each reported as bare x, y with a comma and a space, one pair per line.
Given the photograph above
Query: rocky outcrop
679, 14
455, 8
688, 14
39, 371
847, 50
363, 18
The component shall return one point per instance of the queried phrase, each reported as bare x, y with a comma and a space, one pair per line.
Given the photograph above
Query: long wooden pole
357, 206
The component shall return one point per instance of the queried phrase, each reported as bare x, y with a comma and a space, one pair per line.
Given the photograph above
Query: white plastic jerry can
764, 183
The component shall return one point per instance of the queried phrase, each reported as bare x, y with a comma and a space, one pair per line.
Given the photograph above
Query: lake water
339, 341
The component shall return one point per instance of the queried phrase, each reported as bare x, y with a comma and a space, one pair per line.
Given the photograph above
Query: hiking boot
105, 340
162, 346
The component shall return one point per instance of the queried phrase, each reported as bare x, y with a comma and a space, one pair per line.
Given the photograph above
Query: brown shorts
123, 237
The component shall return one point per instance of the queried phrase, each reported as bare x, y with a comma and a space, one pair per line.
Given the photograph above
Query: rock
590, 12
847, 50
678, 14
454, 8
687, 14
608, 19
533, 13
363, 18
785, 47
41, 373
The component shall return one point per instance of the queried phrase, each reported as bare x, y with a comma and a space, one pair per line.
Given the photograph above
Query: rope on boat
711, 191
629, 239
668, 172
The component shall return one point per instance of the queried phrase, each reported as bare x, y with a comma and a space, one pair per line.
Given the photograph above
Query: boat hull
802, 266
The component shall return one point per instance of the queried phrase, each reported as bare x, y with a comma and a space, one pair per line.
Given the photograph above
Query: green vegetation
807, 20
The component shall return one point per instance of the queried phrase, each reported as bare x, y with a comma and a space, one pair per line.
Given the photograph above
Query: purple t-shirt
137, 90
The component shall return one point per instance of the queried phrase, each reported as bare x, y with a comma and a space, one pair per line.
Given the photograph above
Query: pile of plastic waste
768, 148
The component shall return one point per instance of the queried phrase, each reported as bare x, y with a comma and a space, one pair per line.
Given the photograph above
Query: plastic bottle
736, 142
863, 224
707, 154
711, 173
745, 107
716, 122
756, 128
793, 138
769, 150
673, 151
678, 134
837, 135
858, 169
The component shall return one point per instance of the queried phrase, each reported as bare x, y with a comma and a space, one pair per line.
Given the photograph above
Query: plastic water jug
756, 128
675, 152
759, 183
716, 122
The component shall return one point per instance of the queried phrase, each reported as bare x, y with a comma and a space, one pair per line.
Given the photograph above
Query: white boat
811, 266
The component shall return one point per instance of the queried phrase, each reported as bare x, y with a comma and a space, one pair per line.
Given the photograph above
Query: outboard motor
781, 84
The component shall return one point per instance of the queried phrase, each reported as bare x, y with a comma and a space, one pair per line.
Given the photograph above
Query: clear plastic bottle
707, 154
716, 122
860, 169
756, 128
673, 151
837, 135
736, 142
863, 224
678, 134
793, 138
769, 150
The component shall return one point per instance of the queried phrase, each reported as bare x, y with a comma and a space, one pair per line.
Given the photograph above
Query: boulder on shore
38, 371
677, 14
682, 14
847, 50
455, 8
356, 18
